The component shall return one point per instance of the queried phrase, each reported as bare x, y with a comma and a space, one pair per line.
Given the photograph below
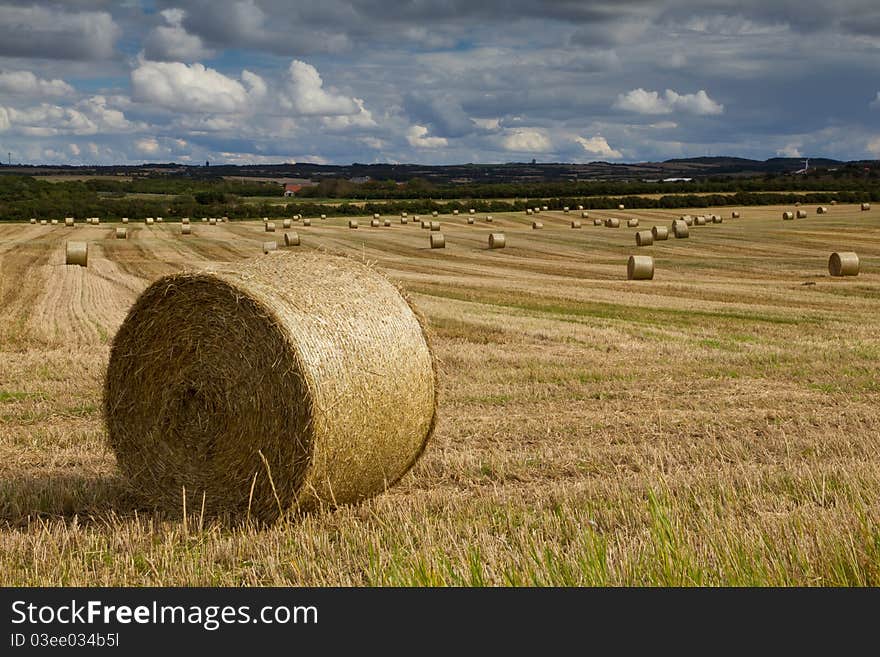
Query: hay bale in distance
307, 222
585, 215
125, 220
213, 221
291, 239
470, 220
844, 263
801, 214
565, 209
580, 207
537, 225
43, 222
434, 225
352, 223
612, 222
426, 225
270, 246
734, 215
640, 268
269, 227
866, 207
77, 253
404, 220
598, 222
323, 216
121, 233
437, 241
489, 219
376, 215
621, 207
660, 233
204, 220
316, 402
68, 221
434, 213
185, 229
575, 224
403, 214
545, 208
54, 222
821, 209
717, 219
33, 220
528, 211
265, 219
680, 229
472, 211
149, 221
644, 238
496, 241
787, 216
699, 221
374, 223
455, 212
632, 222
388, 223
286, 223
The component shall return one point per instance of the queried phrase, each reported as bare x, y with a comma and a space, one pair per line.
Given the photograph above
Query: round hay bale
575, 224
496, 240
270, 246
269, 227
797, 204
125, 220
470, 220
680, 229
434, 225
204, 220
158, 220
307, 222
213, 221
286, 223
434, 213
265, 219
612, 222
306, 413
225, 219
149, 221
734, 215
621, 207
77, 253
644, 238
34, 220
54, 222
717, 219
598, 222
489, 218
43, 222
472, 211
687, 219
537, 225
545, 208
426, 225
821, 209
536, 209
834, 202
323, 216
787, 216
376, 215
455, 212
437, 241
121, 233
580, 207
374, 223
565, 209
699, 221
866, 207
291, 239
404, 220
352, 223
185, 229
845, 263
585, 215
660, 233
528, 211
640, 268
96, 220
801, 214
388, 223
68, 221
633, 222
403, 214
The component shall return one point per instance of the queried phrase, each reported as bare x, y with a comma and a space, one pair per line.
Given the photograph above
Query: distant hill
510, 172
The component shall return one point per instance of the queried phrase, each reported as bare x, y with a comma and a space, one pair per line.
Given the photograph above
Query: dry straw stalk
77, 253
844, 263
305, 413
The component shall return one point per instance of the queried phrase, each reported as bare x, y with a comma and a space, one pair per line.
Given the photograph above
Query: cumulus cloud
147, 145
789, 150
642, 101
56, 34
876, 102
417, 136
171, 42
193, 88
88, 117
305, 94
599, 147
25, 83
524, 140
74, 150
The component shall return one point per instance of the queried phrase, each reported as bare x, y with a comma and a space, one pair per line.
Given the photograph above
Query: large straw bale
640, 268
77, 253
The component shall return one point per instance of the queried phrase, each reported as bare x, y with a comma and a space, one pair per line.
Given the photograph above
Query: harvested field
719, 424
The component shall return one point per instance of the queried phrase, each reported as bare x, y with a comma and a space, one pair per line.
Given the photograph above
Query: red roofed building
290, 189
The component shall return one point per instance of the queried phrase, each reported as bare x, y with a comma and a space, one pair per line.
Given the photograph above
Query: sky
437, 82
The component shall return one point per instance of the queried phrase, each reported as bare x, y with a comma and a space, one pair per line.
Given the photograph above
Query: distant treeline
23, 197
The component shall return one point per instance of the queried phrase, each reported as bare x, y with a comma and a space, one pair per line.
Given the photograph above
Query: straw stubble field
717, 425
